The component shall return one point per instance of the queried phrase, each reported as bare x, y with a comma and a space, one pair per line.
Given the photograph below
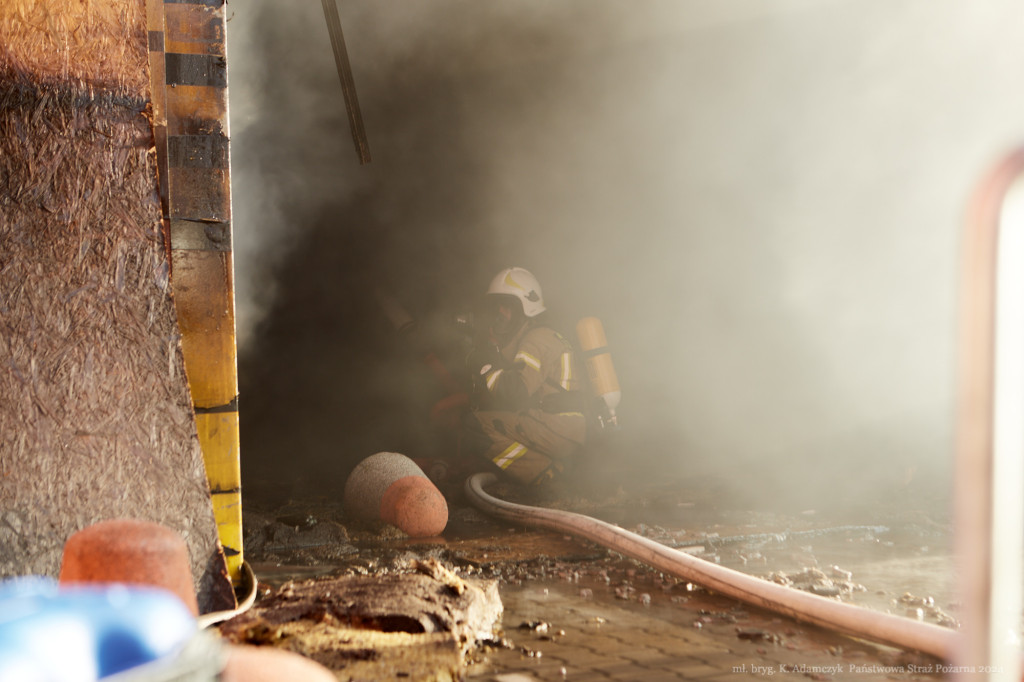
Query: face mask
504, 315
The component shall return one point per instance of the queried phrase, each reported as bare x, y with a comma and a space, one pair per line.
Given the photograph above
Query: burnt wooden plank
199, 193
195, 28
197, 151
192, 235
196, 69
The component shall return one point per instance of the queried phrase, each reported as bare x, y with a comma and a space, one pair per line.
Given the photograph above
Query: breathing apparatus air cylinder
603, 382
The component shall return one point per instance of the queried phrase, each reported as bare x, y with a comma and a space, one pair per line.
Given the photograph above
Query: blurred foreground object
83, 633
128, 633
988, 509
132, 552
390, 487
262, 664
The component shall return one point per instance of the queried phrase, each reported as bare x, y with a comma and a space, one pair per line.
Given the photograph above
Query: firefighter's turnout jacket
530, 405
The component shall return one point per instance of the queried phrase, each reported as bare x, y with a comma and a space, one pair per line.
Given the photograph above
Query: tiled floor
600, 637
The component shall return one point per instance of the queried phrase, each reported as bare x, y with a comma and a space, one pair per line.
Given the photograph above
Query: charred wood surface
418, 624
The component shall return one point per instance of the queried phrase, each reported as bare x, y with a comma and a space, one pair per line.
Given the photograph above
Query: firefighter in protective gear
527, 418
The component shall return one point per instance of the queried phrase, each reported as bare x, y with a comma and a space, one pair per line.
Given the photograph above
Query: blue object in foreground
76, 633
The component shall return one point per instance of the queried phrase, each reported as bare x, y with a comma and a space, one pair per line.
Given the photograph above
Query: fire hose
848, 619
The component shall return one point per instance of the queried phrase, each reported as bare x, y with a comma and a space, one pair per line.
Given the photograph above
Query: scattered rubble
309, 538
818, 582
922, 608
419, 624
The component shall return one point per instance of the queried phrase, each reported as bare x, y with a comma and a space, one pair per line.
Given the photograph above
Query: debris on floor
569, 605
419, 624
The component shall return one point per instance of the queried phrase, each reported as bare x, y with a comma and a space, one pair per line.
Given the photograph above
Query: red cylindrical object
130, 551
414, 504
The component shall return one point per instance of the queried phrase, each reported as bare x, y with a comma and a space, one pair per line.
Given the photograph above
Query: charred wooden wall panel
96, 416
198, 212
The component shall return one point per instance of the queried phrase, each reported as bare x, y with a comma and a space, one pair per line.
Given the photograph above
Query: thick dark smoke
762, 202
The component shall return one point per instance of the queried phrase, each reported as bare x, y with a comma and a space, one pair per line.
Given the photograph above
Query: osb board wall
88, 43
95, 413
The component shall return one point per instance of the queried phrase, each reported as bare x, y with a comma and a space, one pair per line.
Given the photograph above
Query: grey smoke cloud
762, 201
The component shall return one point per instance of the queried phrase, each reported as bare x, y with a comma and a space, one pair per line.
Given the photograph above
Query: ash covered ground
558, 592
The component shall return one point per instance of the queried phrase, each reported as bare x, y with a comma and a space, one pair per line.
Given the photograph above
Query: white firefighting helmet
523, 285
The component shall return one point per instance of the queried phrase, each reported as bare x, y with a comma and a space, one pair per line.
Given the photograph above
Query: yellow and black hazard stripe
190, 118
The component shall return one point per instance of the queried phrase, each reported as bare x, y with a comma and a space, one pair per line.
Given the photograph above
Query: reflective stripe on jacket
543, 363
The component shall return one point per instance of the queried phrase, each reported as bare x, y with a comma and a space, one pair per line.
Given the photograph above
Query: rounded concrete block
390, 487
130, 551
